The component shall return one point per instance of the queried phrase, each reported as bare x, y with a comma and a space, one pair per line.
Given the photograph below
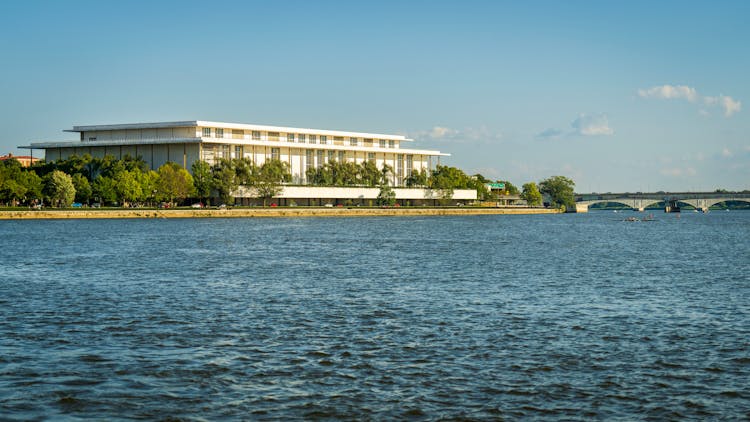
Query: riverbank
259, 212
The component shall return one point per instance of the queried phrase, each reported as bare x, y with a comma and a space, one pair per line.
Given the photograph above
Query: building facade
185, 142
24, 160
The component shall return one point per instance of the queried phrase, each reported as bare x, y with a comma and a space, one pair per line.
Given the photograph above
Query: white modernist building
185, 142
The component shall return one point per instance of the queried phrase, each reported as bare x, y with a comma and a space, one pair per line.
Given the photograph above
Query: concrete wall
292, 192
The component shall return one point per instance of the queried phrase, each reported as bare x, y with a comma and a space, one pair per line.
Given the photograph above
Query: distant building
25, 160
185, 142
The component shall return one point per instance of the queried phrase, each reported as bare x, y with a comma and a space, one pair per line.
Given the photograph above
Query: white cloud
469, 134
440, 132
670, 92
592, 125
726, 152
683, 92
586, 124
730, 105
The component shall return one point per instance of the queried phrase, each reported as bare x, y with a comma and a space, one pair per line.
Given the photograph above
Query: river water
578, 316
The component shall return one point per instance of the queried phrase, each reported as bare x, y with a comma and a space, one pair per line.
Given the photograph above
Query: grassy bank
10, 214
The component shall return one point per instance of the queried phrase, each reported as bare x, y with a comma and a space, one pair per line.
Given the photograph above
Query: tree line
128, 181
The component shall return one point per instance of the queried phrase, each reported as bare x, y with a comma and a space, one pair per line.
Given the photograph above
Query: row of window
222, 151
299, 137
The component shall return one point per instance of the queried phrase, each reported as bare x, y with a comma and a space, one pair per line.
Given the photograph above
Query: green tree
128, 185
134, 163
245, 171
174, 182
386, 172
444, 180
58, 187
369, 175
148, 181
83, 188
510, 188
531, 194
271, 176
478, 183
560, 190
417, 179
104, 190
33, 184
202, 179
386, 196
11, 191
224, 180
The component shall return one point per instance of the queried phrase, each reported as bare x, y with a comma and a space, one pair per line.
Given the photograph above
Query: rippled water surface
489, 317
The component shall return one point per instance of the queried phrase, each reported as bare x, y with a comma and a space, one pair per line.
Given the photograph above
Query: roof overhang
123, 142
243, 126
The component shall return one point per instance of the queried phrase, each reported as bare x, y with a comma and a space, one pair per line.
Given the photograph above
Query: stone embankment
261, 212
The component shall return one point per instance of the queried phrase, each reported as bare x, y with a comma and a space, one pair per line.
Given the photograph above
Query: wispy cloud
468, 135
666, 92
586, 124
550, 134
684, 92
592, 125
729, 104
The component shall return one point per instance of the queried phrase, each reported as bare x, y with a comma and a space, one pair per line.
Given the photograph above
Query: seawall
261, 212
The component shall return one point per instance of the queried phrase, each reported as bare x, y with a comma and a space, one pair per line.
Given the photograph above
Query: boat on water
649, 217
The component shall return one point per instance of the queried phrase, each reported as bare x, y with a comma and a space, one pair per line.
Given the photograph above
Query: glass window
353, 142
371, 156
320, 157
238, 151
273, 136
391, 143
301, 138
275, 153
308, 160
368, 142
206, 132
409, 165
323, 140
256, 135
290, 137
219, 133
313, 139
399, 169
342, 156
382, 143
331, 156
238, 134
223, 152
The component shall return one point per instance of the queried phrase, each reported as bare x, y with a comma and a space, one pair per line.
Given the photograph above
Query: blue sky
619, 96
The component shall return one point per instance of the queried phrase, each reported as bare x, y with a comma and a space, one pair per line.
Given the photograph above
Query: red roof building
25, 160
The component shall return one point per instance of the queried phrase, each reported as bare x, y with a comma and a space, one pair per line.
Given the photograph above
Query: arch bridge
640, 201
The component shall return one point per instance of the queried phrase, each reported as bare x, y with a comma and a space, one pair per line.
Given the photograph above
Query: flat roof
243, 126
126, 142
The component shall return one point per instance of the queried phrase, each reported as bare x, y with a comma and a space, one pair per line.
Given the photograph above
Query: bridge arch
626, 202
712, 202
648, 202
638, 204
